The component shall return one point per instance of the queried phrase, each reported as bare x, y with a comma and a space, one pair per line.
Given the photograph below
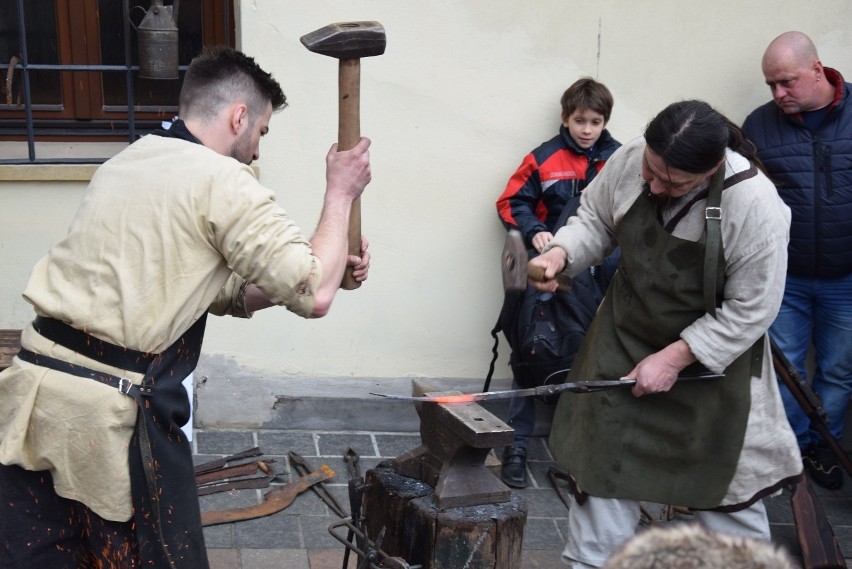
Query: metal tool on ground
368, 552
809, 402
233, 471
517, 271
356, 495
250, 483
813, 530
560, 479
302, 468
456, 397
820, 548
228, 473
221, 462
351, 458
273, 501
349, 42
456, 440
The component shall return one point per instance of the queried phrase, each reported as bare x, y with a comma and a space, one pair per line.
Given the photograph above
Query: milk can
158, 42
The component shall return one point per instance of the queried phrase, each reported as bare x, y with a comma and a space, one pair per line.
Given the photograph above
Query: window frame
216, 29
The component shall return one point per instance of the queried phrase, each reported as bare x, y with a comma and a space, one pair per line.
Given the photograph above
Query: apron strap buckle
126, 387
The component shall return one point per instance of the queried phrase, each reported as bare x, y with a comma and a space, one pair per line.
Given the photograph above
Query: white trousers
600, 526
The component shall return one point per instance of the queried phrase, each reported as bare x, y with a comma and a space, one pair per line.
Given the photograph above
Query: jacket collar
177, 130
604, 147
834, 77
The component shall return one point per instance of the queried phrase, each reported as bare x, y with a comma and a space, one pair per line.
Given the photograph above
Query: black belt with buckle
121, 383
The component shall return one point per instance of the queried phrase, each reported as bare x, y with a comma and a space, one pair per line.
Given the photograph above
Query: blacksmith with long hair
703, 237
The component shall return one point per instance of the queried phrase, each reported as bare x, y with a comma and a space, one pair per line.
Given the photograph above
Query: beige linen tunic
162, 234
755, 227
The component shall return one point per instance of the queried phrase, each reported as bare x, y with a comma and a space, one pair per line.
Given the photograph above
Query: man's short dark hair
586, 93
221, 75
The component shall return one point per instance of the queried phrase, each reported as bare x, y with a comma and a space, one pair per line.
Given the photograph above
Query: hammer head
514, 262
347, 40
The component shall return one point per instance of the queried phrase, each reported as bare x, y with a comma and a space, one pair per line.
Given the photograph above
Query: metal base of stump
487, 536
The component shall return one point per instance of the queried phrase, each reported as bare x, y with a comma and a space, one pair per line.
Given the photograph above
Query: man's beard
663, 201
241, 149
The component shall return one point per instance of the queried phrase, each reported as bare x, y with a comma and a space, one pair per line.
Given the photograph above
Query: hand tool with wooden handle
349, 42
273, 501
517, 270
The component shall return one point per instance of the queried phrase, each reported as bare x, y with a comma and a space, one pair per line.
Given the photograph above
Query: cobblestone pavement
298, 537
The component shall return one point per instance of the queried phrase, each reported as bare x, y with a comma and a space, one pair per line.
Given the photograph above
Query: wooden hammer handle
348, 135
536, 273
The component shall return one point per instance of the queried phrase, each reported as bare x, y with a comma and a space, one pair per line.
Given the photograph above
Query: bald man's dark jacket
812, 170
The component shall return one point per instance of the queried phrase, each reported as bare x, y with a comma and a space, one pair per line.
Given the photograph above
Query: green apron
679, 447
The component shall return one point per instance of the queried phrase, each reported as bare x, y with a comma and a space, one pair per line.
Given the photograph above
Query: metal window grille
26, 67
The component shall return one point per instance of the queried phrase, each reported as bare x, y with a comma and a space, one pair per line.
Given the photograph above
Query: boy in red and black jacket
549, 179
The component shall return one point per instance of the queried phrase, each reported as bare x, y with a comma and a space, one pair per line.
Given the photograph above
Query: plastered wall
464, 90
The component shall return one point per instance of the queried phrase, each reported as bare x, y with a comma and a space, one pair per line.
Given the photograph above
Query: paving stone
538, 473
219, 536
269, 532
541, 533
391, 446
223, 442
542, 503
284, 442
330, 559
274, 559
316, 534
541, 558
223, 558
335, 444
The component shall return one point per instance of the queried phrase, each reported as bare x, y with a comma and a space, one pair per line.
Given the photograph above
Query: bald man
804, 138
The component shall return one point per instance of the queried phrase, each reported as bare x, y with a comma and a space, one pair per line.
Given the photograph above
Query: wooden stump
487, 536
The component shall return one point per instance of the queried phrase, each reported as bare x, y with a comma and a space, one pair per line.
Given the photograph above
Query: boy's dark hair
586, 93
692, 136
221, 75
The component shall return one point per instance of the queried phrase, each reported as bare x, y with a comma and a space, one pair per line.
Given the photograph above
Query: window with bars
70, 70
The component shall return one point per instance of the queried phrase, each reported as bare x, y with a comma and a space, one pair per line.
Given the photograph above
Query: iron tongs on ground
302, 468
540, 391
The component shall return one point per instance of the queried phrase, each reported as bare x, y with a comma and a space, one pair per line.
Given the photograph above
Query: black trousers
40, 529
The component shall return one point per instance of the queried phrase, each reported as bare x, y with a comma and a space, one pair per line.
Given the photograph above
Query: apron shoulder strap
714, 259
713, 253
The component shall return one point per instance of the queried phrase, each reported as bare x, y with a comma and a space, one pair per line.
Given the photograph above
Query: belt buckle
713, 213
125, 385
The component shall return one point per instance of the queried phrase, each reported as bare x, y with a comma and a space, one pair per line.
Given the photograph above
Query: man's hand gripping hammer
517, 270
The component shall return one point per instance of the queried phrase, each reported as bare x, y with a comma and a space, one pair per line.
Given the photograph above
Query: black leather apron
166, 512
679, 447
165, 495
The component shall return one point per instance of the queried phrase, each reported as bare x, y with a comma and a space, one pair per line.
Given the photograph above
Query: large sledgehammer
349, 42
